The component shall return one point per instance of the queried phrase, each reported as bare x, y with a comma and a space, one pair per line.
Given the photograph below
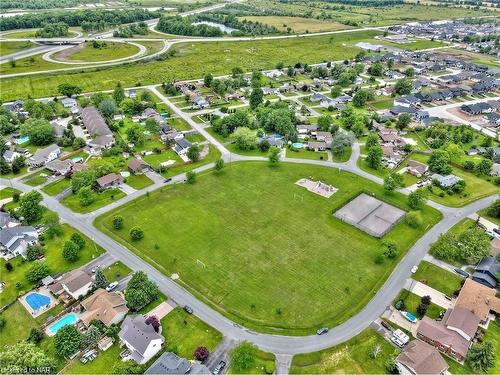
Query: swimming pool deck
43, 291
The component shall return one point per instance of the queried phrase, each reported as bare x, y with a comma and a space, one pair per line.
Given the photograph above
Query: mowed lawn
437, 278
263, 250
88, 53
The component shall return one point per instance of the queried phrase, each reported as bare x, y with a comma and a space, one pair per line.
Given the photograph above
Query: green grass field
252, 226
350, 357
195, 60
87, 53
297, 24
139, 181
57, 187
412, 301
7, 48
263, 361
437, 278
116, 271
101, 199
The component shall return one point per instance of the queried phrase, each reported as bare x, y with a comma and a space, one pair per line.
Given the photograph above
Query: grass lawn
412, 301
116, 271
53, 258
185, 332
437, 278
182, 167
297, 24
249, 231
306, 154
103, 364
482, 213
381, 102
101, 199
37, 178
57, 187
87, 53
7, 48
262, 360
8, 192
351, 357
138, 181
232, 147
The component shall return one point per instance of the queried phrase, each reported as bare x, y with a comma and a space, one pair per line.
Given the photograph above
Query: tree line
76, 18
38, 4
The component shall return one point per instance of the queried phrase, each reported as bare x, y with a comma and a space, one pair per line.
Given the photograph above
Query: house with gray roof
487, 271
99, 132
44, 155
8, 221
15, 240
169, 363
140, 338
446, 181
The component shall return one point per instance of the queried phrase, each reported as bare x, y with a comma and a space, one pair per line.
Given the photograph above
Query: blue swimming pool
297, 145
67, 319
22, 139
37, 300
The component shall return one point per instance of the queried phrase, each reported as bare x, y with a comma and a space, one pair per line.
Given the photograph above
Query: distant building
44, 155
101, 137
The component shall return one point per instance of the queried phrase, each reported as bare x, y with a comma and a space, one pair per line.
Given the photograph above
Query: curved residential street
283, 345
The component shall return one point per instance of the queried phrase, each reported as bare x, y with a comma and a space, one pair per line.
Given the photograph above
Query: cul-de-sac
250, 187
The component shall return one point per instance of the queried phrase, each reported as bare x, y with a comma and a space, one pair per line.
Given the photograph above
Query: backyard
437, 278
295, 242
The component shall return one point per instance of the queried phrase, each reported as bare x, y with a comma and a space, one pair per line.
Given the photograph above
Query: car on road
188, 309
322, 331
496, 230
218, 369
461, 272
167, 180
94, 269
414, 269
385, 325
112, 286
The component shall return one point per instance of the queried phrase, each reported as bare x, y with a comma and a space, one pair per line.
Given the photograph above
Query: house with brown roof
138, 166
419, 357
416, 168
108, 181
478, 299
76, 283
107, 307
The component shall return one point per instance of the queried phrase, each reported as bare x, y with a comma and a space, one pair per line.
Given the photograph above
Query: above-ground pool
37, 300
297, 145
67, 319
22, 140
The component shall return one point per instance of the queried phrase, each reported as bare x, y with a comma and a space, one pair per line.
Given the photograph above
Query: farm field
297, 24
192, 61
7, 48
351, 357
296, 243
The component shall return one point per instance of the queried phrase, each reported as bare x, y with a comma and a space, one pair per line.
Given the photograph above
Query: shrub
201, 353
136, 233
414, 219
379, 258
154, 322
37, 272
9, 267
78, 240
191, 177
269, 367
118, 222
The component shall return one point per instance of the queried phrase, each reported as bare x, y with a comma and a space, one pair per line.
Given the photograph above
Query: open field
101, 199
87, 53
475, 58
192, 61
350, 357
296, 243
27, 33
57, 187
7, 48
297, 24
437, 278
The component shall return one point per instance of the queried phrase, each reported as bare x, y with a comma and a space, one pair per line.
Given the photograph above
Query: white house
15, 240
44, 155
76, 283
140, 338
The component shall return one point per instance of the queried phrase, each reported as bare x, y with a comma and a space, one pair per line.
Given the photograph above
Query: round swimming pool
297, 145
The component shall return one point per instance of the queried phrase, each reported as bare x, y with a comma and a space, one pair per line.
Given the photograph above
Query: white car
414, 269
112, 286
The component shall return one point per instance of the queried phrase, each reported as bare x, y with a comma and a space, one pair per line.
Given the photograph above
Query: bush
70, 251
118, 222
37, 272
78, 240
201, 353
9, 267
414, 219
379, 259
269, 367
34, 252
136, 233
191, 177
2, 322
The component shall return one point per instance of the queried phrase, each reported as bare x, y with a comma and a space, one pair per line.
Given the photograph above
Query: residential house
44, 155
69, 102
418, 358
317, 146
182, 145
476, 109
479, 299
110, 180
7, 221
407, 101
495, 170
107, 307
140, 338
169, 363
14, 240
325, 137
9, 156
60, 167
138, 166
100, 134
487, 272
76, 283
446, 181
416, 168
317, 97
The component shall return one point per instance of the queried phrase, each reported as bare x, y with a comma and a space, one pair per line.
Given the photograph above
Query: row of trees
129, 31
53, 30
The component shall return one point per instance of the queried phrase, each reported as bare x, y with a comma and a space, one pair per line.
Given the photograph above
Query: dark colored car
386, 325
322, 331
496, 230
188, 309
167, 180
218, 369
461, 272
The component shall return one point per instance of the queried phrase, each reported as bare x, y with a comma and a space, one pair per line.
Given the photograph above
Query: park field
197, 59
262, 250
297, 24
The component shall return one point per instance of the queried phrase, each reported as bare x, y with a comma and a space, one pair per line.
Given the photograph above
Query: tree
439, 162
243, 356
118, 222
376, 70
481, 356
403, 121
36, 335
201, 353
219, 164
34, 252
325, 122
136, 233
256, 97
100, 280
361, 97
153, 321
108, 107
274, 155
208, 79
474, 244
140, 291
454, 151
70, 251
52, 225
193, 153
336, 91
410, 72
91, 337
29, 206
416, 200
374, 157
67, 341
86, 196
494, 209
118, 93
483, 168
39, 131
37, 272
264, 145
340, 141
18, 163
4, 166
372, 140
152, 126
69, 90
393, 181
445, 247
135, 135
403, 86
78, 239
245, 138
15, 359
